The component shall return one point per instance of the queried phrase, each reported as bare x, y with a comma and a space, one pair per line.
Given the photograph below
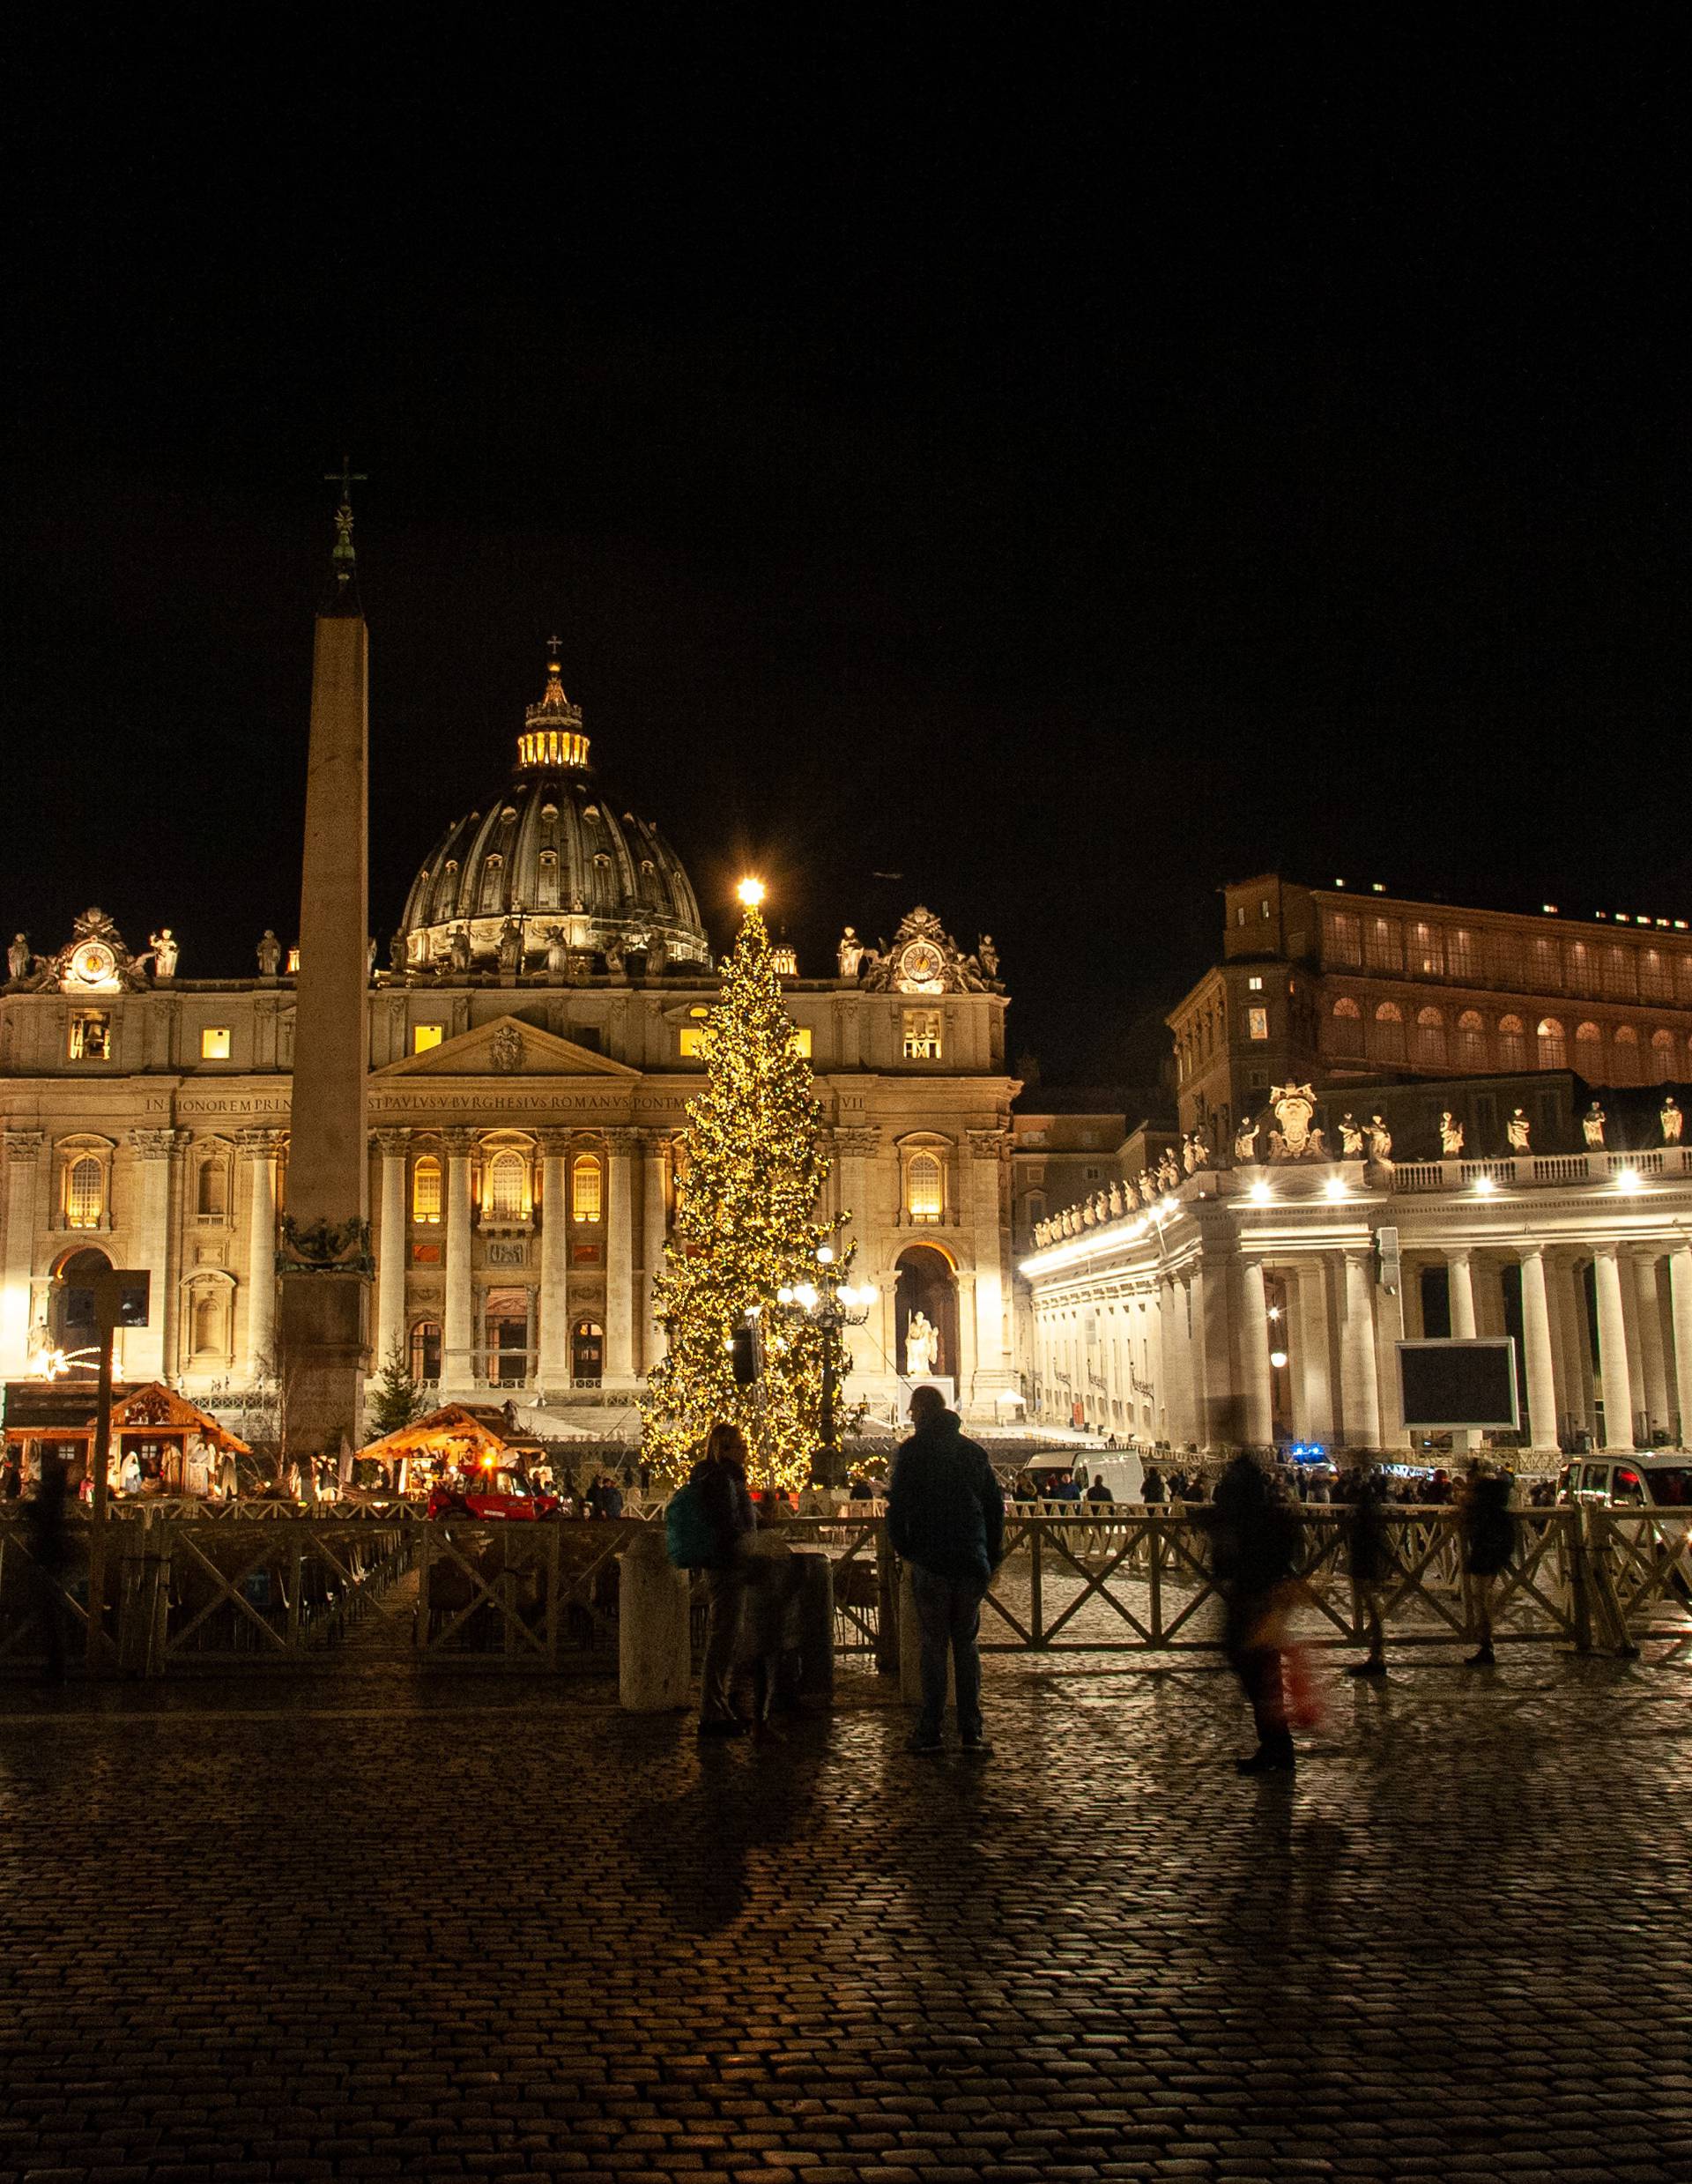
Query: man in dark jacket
1254, 1550
945, 1517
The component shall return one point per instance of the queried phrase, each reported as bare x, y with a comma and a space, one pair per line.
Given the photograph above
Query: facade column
1536, 1345
1257, 1415
855, 1149
553, 1371
654, 1231
1460, 1268
1570, 1283
1653, 1394
259, 1149
993, 1376
620, 1257
1359, 1388
1389, 1332
1679, 1293
1613, 1350
458, 1322
1639, 1437
146, 1349
390, 1247
1315, 1352
22, 1164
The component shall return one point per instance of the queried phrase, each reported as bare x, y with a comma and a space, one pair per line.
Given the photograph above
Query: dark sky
1068, 464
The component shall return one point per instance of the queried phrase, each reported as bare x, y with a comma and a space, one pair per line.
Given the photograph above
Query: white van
1659, 1480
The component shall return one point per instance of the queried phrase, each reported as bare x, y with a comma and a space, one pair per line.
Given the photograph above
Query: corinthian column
390, 1247
145, 1349
259, 1149
553, 1369
993, 1375
1613, 1349
1360, 1390
1254, 1362
1537, 1353
1652, 1359
620, 1256
458, 1327
855, 1149
22, 1160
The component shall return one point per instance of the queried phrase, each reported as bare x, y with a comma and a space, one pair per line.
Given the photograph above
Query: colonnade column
390, 1247
458, 1325
991, 1375
1654, 1393
1536, 1346
23, 1162
553, 1369
1680, 1298
1359, 1387
620, 1257
1613, 1349
653, 1233
146, 1348
1389, 1332
1254, 1359
1460, 1270
258, 1149
1314, 1354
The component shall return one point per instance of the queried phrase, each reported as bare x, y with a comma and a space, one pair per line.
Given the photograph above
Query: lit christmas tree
752, 1172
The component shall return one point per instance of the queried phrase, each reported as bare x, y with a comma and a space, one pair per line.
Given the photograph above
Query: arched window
213, 1197
1512, 1042
587, 1353
587, 1187
507, 1178
1626, 1055
426, 1189
924, 1188
85, 1192
426, 1350
1431, 1039
1553, 1051
1470, 1040
1662, 1056
493, 884
1388, 1042
1346, 1037
1589, 1052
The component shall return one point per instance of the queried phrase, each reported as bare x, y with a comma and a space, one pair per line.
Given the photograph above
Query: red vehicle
492, 1495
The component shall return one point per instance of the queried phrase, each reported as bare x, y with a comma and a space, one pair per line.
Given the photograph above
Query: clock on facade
92, 968
921, 968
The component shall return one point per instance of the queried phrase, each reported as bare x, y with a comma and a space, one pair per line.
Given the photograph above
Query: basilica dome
549, 873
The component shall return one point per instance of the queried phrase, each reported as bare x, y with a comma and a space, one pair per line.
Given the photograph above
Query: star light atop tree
752, 1175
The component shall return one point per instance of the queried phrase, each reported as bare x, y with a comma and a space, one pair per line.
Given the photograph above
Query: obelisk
323, 1262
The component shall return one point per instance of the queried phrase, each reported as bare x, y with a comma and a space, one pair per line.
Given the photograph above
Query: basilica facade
535, 1035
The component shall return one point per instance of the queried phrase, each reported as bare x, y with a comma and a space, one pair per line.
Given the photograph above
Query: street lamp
832, 1305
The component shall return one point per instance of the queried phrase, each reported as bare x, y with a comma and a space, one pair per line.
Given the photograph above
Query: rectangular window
214, 1043
922, 1041
1256, 985
1384, 944
802, 1040
1344, 938
426, 1035
690, 1041
1256, 1023
90, 1035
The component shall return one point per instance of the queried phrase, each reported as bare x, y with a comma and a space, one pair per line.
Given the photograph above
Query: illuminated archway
928, 1283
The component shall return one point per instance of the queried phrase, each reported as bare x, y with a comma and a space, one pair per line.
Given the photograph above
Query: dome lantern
552, 730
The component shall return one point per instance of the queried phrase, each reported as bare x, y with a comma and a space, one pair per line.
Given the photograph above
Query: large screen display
1461, 1383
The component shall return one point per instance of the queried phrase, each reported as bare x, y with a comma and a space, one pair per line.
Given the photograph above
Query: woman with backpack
718, 1486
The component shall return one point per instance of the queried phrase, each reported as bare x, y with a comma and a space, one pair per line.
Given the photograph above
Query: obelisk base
322, 1322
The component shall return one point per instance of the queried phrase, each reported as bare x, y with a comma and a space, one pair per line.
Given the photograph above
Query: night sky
1067, 464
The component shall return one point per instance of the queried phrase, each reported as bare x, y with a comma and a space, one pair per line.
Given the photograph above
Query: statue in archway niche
1671, 1118
1593, 1124
922, 1346
1517, 1129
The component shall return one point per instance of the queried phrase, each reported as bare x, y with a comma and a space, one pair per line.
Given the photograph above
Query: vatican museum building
535, 1035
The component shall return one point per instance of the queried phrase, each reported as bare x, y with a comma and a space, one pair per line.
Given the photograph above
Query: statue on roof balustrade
1517, 1130
1451, 1134
458, 951
849, 952
1671, 1118
558, 954
1593, 1124
1245, 1142
1351, 1136
164, 953
1380, 1140
19, 956
269, 954
510, 946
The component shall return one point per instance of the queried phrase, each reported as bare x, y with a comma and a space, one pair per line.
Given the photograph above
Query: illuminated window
923, 1034
426, 1190
1345, 940
1470, 1040
802, 1040
426, 1350
1461, 955
1387, 1045
1431, 1039
1384, 944
1427, 951
507, 1176
1256, 1023
1256, 985
690, 1041
1347, 1034
426, 1036
85, 1192
1512, 1042
587, 1188
90, 1035
924, 1188
1554, 1051
214, 1043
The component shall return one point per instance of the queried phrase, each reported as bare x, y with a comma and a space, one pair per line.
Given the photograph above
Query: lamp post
832, 1305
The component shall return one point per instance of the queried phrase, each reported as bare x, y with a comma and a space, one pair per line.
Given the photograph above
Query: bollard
910, 1649
653, 1653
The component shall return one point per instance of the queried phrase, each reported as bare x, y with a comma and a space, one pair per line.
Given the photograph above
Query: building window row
1542, 962
508, 1188
1391, 1034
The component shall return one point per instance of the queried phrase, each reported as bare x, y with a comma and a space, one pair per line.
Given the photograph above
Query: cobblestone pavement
359, 1926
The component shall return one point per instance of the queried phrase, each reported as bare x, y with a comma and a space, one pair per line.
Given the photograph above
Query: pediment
508, 1047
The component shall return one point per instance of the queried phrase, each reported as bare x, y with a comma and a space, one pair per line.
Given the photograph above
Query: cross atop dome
553, 728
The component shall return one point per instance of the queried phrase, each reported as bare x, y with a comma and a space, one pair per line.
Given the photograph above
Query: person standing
1488, 1532
945, 1517
720, 1476
1370, 1555
1254, 1549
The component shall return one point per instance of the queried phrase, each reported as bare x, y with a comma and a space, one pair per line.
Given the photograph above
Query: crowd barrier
176, 1593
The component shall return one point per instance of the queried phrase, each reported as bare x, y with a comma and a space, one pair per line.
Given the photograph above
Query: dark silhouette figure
1254, 1536
1489, 1547
720, 1474
945, 1517
1369, 1556
49, 1551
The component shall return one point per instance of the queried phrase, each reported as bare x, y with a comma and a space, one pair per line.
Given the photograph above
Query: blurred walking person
1488, 1530
49, 1552
945, 1517
720, 1476
1368, 1552
1254, 1535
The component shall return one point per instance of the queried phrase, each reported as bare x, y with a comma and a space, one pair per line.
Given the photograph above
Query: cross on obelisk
346, 479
